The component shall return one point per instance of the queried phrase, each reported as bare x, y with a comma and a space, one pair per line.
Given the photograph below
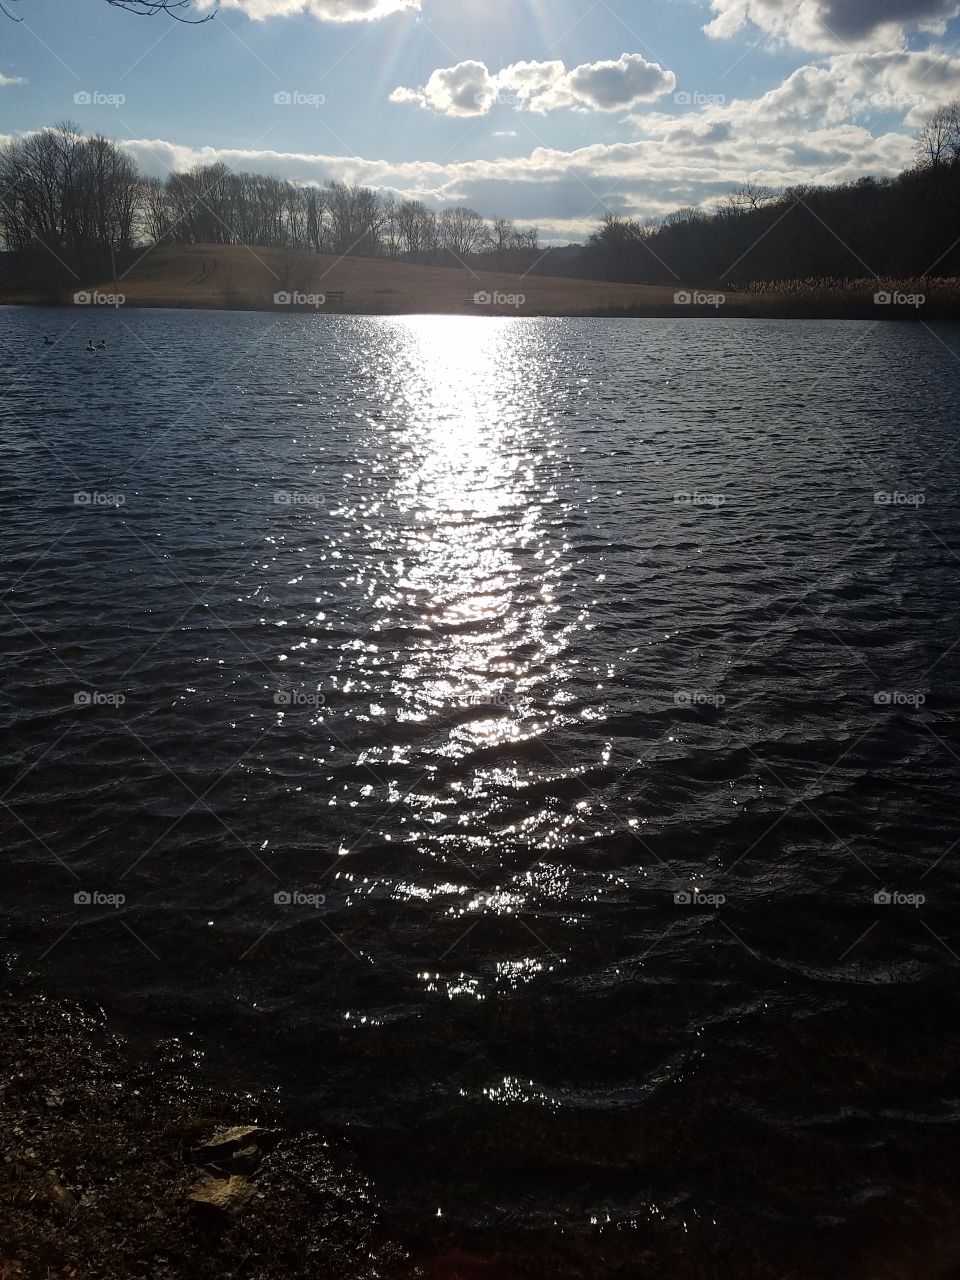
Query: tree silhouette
178, 9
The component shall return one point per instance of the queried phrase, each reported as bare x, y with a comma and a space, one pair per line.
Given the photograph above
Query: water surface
500, 732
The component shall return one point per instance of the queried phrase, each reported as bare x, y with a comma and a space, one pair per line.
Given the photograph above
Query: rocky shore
119, 1165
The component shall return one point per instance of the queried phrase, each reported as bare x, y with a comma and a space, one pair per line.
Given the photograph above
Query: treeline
898, 227
75, 200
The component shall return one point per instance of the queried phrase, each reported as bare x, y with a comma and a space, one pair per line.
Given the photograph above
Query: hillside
236, 277
241, 278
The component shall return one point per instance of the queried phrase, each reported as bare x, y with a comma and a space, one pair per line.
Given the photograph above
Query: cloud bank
832, 25
471, 89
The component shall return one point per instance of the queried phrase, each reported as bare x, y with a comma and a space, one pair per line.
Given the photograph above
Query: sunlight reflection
464, 488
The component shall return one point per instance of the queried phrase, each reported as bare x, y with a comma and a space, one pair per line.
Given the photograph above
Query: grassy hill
241, 278
236, 277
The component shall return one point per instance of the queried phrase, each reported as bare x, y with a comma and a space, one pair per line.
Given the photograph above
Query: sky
549, 112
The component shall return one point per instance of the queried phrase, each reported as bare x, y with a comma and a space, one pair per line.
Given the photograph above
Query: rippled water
489, 644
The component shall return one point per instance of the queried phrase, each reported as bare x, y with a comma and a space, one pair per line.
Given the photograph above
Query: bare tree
752, 195
938, 141
502, 236
417, 227
316, 227
67, 192
463, 231
178, 9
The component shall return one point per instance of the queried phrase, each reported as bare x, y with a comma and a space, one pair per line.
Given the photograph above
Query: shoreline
853, 312
122, 1161
290, 282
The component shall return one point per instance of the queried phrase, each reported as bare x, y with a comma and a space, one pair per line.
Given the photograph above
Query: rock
238, 1149
239, 1134
226, 1195
59, 1196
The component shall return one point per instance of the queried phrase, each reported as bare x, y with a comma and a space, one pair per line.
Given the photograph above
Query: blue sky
547, 111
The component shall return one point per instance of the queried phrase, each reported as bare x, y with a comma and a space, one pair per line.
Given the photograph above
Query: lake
531, 746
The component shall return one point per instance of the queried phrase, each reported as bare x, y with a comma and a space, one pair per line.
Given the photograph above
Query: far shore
238, 278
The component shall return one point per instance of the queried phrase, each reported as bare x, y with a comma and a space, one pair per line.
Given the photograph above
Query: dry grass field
236, 277
241, 278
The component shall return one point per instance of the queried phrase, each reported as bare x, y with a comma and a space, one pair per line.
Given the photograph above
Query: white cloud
322, 10
471, 89
846, 87
611, 86
5, 80
464, 90
833, 25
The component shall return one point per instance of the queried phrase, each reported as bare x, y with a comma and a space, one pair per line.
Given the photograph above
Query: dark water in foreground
488, 644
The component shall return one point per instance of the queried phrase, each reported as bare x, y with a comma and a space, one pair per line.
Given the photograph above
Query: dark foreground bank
118, 1163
